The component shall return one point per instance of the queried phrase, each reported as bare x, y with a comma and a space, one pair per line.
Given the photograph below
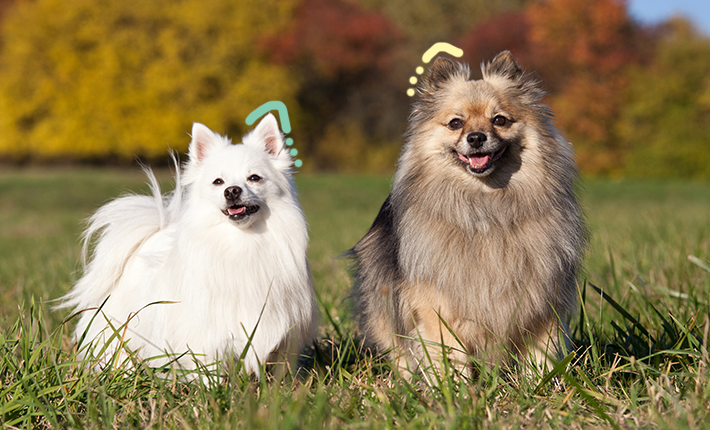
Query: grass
642, 333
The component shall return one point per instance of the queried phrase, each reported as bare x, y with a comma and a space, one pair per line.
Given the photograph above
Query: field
641, 361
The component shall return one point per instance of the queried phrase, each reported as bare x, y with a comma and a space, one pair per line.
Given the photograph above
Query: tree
101, 79
343, 54
426, 22
583, 48
505, 31
665, 122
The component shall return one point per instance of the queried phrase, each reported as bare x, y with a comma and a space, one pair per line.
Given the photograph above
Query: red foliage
584, 47
337, 36
582, 35
506, 31
5, 4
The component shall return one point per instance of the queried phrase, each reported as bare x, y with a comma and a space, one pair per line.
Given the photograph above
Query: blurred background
105, 81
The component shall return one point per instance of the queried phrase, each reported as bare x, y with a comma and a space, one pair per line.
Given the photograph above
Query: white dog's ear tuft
203, 141
268, 135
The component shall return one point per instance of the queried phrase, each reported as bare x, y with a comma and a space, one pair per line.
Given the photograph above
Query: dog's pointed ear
268, 136
503, 65
204, 140
441, 70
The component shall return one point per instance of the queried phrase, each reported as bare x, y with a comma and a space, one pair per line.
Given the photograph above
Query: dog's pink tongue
475, 161
236, 211
479, 161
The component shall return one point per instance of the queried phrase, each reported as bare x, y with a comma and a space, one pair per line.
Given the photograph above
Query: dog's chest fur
491, 259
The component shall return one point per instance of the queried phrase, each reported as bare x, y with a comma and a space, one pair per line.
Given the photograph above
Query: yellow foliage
665, 123
345, 148
106, 78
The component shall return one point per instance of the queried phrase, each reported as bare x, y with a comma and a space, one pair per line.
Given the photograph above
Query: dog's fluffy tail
116, 231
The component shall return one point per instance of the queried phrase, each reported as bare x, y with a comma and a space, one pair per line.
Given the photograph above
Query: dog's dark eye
499, 120
218, 181
254, 178
455, 123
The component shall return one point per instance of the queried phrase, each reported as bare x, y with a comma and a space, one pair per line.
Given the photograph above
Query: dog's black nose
232, 193
476, 139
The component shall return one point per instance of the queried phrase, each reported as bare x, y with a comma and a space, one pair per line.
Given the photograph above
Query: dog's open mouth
237, 212
481, 162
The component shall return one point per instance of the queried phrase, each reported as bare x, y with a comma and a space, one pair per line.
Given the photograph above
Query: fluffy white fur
177, 274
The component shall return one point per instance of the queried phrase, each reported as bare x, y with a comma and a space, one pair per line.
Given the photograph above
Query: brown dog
482, 230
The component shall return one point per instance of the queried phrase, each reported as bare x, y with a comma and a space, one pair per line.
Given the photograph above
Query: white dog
215, 268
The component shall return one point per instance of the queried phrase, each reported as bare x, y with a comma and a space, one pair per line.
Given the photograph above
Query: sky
655, 11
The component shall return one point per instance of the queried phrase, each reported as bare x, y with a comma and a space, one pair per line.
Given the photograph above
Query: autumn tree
342, 54
584, 48
505, 31
425, 22
99, 79
665, 122
4, 4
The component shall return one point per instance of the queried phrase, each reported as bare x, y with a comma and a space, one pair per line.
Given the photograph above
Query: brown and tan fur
492, 251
